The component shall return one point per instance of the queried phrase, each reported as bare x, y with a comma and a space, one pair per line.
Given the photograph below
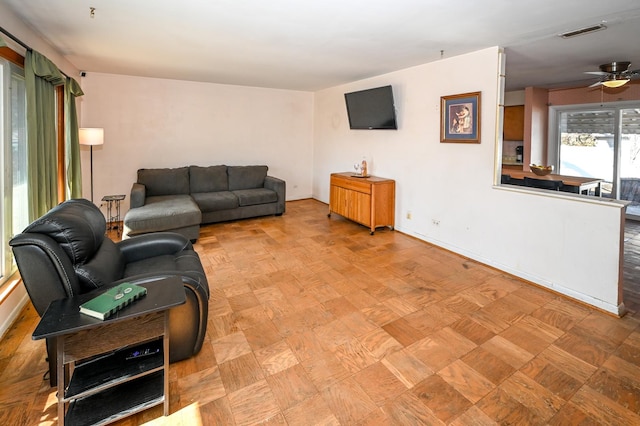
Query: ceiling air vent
582, 31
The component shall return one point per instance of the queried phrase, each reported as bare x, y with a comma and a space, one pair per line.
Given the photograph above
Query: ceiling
300, 45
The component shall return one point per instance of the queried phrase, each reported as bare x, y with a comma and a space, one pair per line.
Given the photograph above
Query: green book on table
112, 300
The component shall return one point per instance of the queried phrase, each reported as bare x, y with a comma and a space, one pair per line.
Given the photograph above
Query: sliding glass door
601, 142
587, 145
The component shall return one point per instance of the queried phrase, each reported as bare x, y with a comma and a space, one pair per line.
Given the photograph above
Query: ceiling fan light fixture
616, 82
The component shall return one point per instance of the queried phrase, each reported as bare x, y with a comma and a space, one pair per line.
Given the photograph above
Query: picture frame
460, 118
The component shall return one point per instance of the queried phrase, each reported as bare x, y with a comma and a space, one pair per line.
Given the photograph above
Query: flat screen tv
371, 109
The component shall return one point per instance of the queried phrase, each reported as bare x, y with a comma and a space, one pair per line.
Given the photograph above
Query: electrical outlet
409, 215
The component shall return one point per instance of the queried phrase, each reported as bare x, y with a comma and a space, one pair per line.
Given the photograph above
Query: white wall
514, 98
558, 241
152, 122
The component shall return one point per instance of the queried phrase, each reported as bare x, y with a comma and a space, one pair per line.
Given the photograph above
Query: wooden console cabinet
369, 201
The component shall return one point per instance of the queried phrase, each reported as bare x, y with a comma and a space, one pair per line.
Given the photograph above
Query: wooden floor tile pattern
312, 321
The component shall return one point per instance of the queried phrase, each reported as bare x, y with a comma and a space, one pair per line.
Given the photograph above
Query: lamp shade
91, 136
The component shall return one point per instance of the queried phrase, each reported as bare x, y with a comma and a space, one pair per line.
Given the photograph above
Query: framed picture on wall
460, 118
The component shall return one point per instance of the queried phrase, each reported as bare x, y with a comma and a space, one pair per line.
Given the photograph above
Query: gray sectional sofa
181, 199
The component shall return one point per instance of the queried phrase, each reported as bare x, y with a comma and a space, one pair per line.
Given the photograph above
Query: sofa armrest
280, 187
138, 195
152, 245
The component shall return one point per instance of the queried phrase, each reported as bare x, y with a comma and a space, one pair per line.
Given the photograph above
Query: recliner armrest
138, 195
46, 270
151, 245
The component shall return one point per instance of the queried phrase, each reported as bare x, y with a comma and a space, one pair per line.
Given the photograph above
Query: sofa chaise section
175, 213
160, 201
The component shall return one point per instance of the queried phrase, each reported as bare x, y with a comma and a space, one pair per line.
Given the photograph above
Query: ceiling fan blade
596, 84
596, 72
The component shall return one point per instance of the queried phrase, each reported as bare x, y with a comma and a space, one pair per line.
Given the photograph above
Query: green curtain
41, 77
72, 144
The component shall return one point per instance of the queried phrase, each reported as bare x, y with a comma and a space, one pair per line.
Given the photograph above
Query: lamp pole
91, 156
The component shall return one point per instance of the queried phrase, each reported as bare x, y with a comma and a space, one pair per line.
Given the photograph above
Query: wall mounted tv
371, 109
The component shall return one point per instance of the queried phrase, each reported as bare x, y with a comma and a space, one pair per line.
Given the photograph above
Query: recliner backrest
77, 226
65, 253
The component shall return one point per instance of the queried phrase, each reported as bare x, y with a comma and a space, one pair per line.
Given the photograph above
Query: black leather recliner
65, 253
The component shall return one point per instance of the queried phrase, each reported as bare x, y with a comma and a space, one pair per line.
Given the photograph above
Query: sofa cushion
208, 179
163, 213
214, 201
251, 197
164, 181
246, 177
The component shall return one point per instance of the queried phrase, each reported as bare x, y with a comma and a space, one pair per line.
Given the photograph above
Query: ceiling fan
614, 74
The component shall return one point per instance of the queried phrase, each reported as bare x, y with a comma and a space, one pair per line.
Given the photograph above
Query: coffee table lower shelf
117, 402
111, 370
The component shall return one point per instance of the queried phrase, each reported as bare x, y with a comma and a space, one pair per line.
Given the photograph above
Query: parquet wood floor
315, 322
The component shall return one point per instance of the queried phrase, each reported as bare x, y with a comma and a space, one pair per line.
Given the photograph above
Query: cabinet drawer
355, 184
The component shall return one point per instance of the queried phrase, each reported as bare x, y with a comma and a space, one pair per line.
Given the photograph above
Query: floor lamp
91, 136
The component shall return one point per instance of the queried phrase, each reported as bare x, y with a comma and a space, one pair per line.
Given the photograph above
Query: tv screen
371, 109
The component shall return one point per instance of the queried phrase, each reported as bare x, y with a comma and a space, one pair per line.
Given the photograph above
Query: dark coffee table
107, 380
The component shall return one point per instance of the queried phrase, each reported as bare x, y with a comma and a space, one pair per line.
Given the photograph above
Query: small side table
106, 385
113, 212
